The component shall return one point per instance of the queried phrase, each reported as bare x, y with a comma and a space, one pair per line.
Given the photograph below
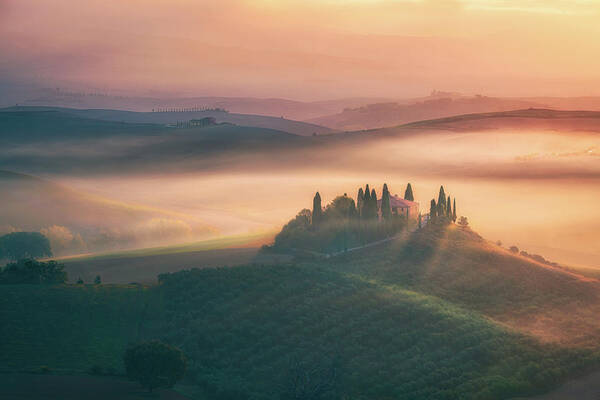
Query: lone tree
21, 245
154, 364
408, 193
317, 212
97, 280
386, 209
454, 211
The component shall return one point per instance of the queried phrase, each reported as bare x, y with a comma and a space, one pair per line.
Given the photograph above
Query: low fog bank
499, 154
534, 189
76, 222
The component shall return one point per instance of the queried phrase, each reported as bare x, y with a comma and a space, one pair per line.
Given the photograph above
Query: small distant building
207, 121
400, 206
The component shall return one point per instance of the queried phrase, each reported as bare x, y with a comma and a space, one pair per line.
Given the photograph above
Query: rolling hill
440, 314
532, 118
274, 107
164, 118
381, 115
57, 141
144, 265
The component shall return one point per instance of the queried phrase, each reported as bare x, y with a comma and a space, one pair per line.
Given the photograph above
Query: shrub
32, 271
20, 245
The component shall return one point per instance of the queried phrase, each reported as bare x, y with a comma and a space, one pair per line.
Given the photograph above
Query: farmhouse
400, 206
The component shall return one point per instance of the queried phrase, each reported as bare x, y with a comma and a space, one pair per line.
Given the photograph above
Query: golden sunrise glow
305, 49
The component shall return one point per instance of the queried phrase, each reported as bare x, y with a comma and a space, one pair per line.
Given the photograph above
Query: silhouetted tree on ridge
441, 201
386, 209
373, 204
454, 211
360, 199
408, 193
432, 211
317, 211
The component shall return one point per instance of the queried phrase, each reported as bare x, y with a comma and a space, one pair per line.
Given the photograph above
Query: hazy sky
306, 49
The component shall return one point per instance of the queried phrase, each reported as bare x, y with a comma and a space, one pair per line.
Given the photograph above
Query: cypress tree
454, 211
432, 210
317, 212
360, 198
386, 209
408, 193
442, 200
373, 206
366, 203
448, 208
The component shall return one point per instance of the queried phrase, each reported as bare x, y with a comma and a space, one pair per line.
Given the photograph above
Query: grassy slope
26, 127
243, 325
209, 244
55, 142
461, 267
436, 319
76, 387
144, 265
71, 328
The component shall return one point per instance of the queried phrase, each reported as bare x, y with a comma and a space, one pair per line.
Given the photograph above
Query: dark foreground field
441, 314
76, 387
584, 388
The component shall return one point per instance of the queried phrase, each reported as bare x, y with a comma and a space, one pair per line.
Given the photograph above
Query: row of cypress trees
366, 203
443, 208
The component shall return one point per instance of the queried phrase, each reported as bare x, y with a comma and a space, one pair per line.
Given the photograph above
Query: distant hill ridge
163, 118
523, 113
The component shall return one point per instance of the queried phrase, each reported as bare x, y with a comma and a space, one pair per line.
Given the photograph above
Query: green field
223, 242
76, 387
439, 315
144, 265
72, 328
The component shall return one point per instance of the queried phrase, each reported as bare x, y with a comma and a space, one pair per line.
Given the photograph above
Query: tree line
344, 223
444, 210
366, 207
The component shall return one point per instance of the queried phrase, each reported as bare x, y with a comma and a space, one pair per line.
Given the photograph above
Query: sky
303, 49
